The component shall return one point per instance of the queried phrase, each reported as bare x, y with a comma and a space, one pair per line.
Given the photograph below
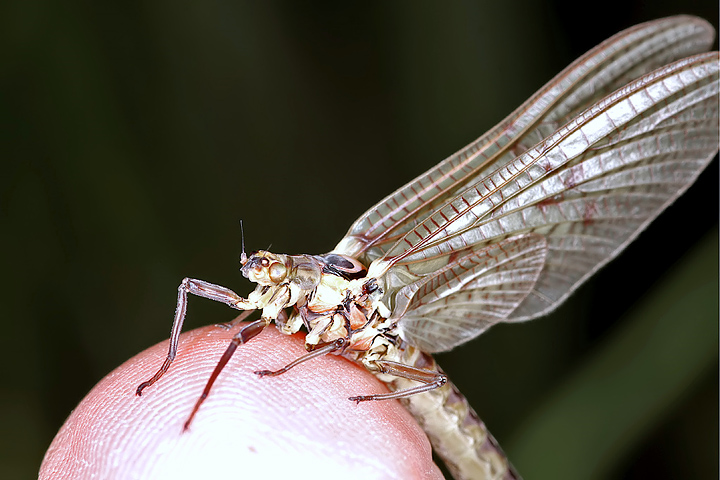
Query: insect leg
330, 347
201, 289
243, 336
234, 321
430, 380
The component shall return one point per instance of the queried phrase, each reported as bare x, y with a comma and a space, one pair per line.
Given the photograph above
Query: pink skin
295, 425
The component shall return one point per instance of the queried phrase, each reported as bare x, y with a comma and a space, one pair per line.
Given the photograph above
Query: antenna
243, 256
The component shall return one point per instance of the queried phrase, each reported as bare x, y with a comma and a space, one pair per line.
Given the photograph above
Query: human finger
298, 424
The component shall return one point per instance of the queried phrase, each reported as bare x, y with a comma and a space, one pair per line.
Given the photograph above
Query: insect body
502, 231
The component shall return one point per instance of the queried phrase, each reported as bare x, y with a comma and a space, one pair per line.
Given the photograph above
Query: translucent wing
589, 188
470, 294
609, 66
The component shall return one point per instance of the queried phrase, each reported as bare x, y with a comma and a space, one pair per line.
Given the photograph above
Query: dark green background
136, 134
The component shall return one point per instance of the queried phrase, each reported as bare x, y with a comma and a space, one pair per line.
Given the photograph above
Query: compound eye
278, 272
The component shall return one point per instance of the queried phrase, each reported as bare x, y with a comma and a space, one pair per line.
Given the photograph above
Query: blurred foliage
136, 134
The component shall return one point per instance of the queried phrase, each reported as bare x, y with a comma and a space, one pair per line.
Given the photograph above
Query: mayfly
502, 231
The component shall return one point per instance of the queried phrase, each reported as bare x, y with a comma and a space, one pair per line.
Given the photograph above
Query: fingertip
271, 426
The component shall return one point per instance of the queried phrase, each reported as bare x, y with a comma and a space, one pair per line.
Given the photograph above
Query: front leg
201, 289
243, 336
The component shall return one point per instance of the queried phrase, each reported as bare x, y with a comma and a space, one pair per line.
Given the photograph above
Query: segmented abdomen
456, 432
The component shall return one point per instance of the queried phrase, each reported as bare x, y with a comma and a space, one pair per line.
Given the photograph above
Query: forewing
469, 295
589, 188
607, 67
